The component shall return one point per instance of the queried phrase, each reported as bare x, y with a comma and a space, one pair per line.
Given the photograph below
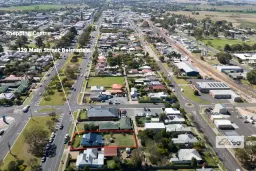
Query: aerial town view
128, 85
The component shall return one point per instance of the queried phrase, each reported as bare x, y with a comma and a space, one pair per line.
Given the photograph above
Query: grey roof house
186, 155
91, 158
102, 113
185, 139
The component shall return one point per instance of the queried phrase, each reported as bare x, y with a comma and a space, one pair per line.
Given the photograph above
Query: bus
26, 108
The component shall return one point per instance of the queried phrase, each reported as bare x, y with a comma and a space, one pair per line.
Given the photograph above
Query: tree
1, 48
86, 168
73, 30
50, 125
227, 48
251, 76
36, 138
52, 115
223, 57
196, 93
39, 42
137, 157
193, 162
161, 58
176, 105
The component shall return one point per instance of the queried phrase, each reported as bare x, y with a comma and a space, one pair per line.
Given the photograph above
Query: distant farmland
36, 7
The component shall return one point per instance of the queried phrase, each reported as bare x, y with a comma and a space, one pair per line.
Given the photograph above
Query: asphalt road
229, 161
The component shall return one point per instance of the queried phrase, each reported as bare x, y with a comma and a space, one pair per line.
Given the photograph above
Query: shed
110, 152
220, 108
223, 124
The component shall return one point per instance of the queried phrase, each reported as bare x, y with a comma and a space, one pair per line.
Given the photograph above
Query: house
185, 139
117, 89
97, 89
155, 88
134, 93
125, 123
181, 128
185, 156
174, 119
155, 126
110, 152
102, 113
220, 108
159, 95
8, 96
92, 139
171, 111
98, 96
91, 157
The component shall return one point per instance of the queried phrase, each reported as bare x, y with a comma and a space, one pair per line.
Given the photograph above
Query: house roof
125, 123
172, 111
177, 127
188, 154
158, 125
3, 88
91, 139
157, 87
90, 156
108, 125
102, 112
184, 138
117, 86
110, 151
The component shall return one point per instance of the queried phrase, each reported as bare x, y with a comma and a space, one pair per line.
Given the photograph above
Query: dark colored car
61, 127
1, 132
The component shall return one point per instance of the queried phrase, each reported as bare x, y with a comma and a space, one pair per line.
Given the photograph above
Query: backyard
20, 150
105, 81
120, 140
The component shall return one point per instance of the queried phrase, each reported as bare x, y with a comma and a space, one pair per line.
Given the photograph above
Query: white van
25, 109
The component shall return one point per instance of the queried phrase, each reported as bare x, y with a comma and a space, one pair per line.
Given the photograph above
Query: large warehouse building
225, 94
205, 87
223, 68
223, 124
246, 58
187, 68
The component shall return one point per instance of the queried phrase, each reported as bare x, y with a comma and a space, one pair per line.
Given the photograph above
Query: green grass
77, 141
180, 81
110, 163
56, 100
189, 93
34, 7
84, 84
80, 126
207, 157
216, 43
79, 98
121, 140
28, 99
20, 149
47, 110
83, 114
105, 81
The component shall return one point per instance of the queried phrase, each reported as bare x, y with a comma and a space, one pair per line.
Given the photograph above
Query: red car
123, 111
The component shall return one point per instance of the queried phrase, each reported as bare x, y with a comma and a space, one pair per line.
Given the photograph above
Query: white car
140, 114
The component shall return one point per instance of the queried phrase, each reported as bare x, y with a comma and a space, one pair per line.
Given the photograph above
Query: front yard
105, 81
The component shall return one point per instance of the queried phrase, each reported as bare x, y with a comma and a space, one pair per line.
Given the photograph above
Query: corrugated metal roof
186, 67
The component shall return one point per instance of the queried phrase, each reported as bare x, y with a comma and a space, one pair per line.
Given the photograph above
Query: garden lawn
77, 141
121, 140
83, 114
105, 81
209, 160
189, 93
56, 100
222, 42
20, 149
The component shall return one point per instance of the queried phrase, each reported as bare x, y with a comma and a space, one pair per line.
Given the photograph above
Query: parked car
123, 111
1, 132
246, 121
61, 127
53, 135
43, 159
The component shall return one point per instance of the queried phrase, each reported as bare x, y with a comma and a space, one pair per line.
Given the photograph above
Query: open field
179, 81
216, 43
105, 81
20, 149
120, 140
235, 18
189, 93
36, 7
56, 99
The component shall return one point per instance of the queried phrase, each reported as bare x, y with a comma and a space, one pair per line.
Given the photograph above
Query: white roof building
97, 88
177, 128
220, 108
158, 95
223, 124
172, 111
90, 157
219, 117
247, 58
157, 125
225, 94
222, 68
173, 119
185, 139
186, 155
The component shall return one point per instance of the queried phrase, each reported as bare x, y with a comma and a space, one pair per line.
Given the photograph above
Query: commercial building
205, 87
220, 108
187, 68
219, 117
223, 124
225, 94
172, 111
223, 68
246, 57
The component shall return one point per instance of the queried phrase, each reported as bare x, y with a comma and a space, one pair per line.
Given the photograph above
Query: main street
230, 163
